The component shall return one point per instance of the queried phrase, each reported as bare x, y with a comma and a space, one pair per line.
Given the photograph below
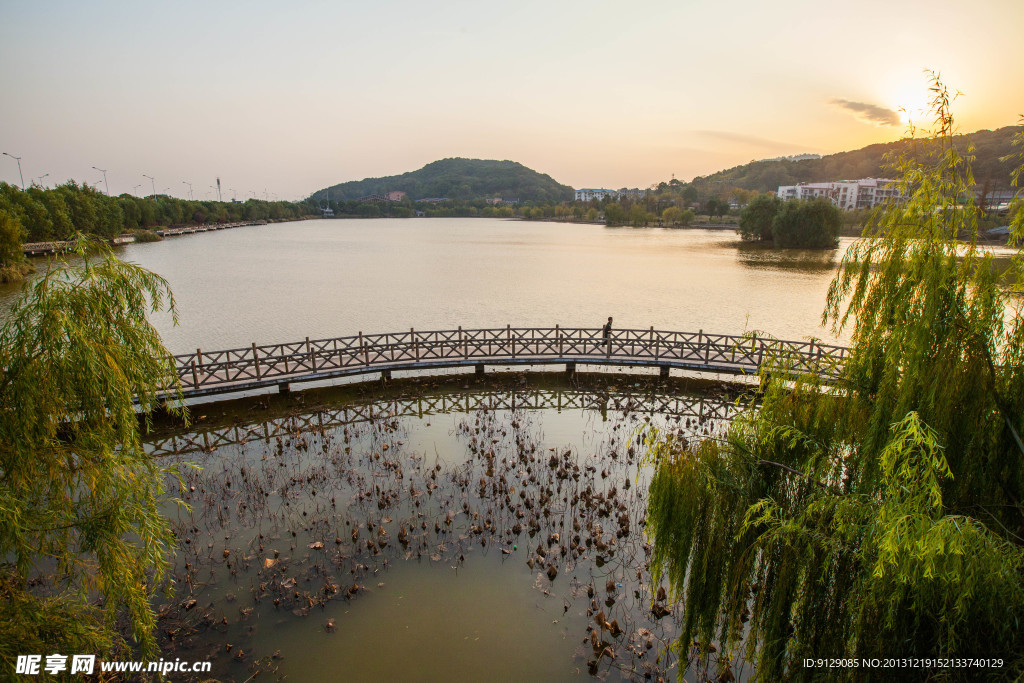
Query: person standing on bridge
606, 335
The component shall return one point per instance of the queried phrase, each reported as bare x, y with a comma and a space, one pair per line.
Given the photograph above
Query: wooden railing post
558, 336
462, 343
656, 343
256, 362
195, 376
511, 343
362, 347
309, 353
415, 344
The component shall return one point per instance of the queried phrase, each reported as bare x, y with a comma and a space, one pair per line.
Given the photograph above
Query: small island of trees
813, 224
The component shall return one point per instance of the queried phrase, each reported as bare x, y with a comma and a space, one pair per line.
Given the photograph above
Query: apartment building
587, 194
848, 195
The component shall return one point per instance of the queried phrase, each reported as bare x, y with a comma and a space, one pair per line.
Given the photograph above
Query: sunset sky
288, 98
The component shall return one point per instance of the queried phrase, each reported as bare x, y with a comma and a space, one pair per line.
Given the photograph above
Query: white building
586, 194
848, 195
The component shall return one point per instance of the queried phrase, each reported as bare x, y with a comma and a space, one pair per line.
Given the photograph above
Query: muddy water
473, 541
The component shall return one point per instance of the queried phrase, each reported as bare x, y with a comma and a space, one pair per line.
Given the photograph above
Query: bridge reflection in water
700, 409
255, 367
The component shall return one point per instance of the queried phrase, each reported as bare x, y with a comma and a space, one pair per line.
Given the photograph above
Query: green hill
868, 162
458, 179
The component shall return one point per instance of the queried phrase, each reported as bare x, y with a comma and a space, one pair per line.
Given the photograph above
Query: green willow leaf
83, 369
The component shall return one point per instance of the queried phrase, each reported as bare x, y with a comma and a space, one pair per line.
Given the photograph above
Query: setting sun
910, 100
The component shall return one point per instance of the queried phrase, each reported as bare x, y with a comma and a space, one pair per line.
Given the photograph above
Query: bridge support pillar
570, 369
385, 375
479, 368
284, 388
663, 371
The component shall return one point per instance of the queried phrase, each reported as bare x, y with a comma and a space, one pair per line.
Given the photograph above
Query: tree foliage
59, 213
11, 236
881, 516
673, 215
991, 165
78, 495
810, 224
716, 207
756, 218
458, 179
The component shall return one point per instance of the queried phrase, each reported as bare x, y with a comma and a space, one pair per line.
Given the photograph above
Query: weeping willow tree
880, 516
83, 544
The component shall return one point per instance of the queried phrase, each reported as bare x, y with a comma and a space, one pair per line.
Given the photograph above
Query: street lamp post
135, 190
185, 182
153, 182
40, 180
18, 159
104, 172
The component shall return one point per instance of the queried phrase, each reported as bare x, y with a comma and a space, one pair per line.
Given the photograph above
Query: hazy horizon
289, 100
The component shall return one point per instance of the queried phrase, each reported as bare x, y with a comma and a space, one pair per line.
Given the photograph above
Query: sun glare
910, 101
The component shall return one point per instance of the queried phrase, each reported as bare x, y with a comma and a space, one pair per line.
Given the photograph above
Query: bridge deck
255, 367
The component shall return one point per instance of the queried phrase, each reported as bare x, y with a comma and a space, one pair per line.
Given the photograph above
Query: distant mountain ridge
869, 162
458, 178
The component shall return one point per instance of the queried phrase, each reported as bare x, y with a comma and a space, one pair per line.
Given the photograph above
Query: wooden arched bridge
256, 367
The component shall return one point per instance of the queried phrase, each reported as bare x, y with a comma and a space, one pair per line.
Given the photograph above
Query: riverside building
848, 195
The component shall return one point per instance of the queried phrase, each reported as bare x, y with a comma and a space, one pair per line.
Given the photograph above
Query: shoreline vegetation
38, 215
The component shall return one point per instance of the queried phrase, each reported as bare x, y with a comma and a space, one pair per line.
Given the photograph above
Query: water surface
325, 278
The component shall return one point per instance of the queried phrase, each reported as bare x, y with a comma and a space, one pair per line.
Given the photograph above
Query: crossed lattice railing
314, 358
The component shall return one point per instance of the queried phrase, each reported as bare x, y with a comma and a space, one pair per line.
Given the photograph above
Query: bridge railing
366, 352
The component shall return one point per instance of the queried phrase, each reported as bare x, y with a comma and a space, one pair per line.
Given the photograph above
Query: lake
461, 528
322, 278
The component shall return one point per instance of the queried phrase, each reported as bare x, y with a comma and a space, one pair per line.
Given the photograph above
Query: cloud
747, 140
871, 113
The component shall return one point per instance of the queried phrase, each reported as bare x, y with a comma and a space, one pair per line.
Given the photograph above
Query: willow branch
799, 473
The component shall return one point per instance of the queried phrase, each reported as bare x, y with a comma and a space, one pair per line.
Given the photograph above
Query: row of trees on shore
42, 215
60, 212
